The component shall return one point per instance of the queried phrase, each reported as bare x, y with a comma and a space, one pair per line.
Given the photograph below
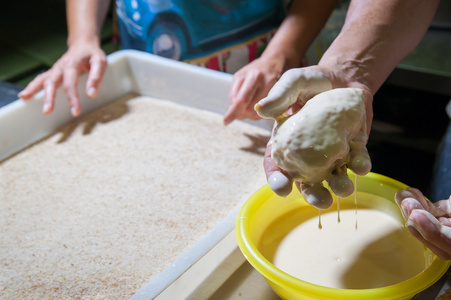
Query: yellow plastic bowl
264, 207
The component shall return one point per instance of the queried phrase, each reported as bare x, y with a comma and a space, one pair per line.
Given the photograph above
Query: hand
299, 150
250, 84
429, 222
80, 58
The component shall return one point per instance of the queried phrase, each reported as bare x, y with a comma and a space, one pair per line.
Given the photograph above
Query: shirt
222, 35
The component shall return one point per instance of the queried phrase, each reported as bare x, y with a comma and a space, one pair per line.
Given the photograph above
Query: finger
412, 193
442, 208
278, 181
250, 113
49, 98
294, 84
412, 198
431, 230
407, 205
244, 115
240, 99
340, 183
233, 112
445, 221
52, 81
436, 250
33, 87
237, 82
417, 194
316, 194
359, 161
97, 70
70, 83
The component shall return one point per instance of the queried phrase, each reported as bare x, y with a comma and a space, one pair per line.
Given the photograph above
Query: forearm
376, 36
85, 19
303, 22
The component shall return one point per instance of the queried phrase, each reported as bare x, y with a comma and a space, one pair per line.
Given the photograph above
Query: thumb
294, 84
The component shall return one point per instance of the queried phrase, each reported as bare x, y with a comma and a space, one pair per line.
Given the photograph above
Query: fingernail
406, 193
46, 108
92, 92
405, 212
226, 121
74, 111
280, 184
411, 222
361, 164
409, 204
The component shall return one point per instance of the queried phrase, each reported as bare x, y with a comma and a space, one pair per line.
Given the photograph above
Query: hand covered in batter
319, 141
429, 222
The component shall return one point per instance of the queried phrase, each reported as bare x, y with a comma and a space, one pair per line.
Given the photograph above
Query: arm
376, 36
304, 21
286, 50
84, 20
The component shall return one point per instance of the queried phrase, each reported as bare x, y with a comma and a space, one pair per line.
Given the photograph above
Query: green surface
431, 56
47, 50
14, 63
33, 38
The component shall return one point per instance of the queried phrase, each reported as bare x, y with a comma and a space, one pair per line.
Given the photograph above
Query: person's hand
429, 222
250, 84
295, 88
79, 58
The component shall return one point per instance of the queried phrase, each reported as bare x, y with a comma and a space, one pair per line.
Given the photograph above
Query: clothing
222, 35
441, 180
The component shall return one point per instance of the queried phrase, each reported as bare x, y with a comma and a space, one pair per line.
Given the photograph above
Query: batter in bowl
380, 253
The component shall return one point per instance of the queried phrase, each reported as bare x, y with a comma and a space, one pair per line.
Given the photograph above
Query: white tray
129, 71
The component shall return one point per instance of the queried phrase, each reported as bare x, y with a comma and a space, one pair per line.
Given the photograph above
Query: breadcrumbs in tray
100, 207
